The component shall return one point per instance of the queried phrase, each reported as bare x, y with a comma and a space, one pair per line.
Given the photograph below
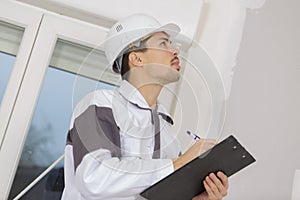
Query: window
46, 138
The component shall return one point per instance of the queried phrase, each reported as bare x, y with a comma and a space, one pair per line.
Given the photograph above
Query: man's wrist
178, 163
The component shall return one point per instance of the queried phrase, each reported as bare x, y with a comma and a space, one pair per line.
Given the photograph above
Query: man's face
160, 60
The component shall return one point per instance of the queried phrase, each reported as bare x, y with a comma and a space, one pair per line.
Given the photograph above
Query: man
121, 142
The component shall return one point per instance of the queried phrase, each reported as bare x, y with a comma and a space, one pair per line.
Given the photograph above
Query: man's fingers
224, 179
204, 145
215, 193
221, 189
208, 189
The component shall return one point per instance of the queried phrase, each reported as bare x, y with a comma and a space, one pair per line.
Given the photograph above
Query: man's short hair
125, 59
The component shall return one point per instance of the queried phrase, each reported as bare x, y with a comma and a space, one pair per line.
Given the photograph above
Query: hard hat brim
171, 29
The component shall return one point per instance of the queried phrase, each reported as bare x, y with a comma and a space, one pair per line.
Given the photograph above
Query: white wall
264, 105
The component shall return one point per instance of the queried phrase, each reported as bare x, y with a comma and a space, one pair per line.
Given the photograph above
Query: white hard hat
129, 30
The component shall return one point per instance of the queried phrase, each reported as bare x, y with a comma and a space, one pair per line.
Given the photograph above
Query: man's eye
164, 44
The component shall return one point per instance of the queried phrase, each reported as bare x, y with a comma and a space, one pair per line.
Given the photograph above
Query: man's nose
174, 50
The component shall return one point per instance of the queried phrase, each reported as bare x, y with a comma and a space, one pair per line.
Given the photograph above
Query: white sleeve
100, 176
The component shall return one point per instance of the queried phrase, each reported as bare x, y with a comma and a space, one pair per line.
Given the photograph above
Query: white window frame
28, 18
10, 13
52, 27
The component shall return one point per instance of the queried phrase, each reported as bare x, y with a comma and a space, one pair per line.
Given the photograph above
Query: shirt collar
132, 95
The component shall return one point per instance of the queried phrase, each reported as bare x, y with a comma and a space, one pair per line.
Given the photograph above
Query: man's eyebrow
164, 38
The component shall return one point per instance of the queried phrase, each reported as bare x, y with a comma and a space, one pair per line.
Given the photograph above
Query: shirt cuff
167, 168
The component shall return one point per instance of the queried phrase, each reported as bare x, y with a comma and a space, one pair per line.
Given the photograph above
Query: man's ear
135, 58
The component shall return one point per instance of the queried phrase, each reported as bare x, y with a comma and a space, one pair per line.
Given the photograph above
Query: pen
196, 137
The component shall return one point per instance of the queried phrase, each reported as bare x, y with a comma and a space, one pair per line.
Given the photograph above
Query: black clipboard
228, 156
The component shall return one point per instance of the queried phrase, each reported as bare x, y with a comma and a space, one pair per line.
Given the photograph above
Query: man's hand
196, 150
216, 188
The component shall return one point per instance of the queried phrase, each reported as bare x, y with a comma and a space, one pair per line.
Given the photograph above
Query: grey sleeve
94, 129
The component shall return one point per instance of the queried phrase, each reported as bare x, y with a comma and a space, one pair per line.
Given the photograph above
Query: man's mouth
175, 63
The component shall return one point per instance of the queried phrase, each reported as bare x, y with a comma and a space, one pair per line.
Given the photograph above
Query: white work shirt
110, 146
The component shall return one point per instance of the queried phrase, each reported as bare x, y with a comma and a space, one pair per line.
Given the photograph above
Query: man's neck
150, 92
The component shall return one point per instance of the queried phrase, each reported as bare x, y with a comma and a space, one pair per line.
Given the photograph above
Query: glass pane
6, 66
82, 60
10, 39
47, 135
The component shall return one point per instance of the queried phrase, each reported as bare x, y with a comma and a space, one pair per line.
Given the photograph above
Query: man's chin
172, 76
164, 74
